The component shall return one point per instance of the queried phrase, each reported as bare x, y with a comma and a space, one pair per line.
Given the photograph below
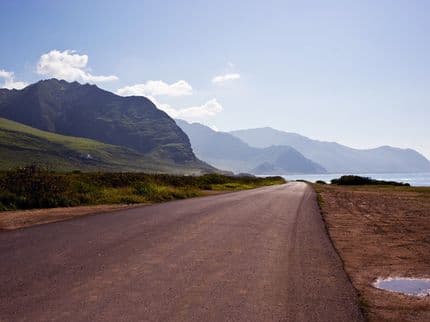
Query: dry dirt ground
10, 220
381, 232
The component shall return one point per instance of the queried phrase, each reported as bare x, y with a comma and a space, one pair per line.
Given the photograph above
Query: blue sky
355, 72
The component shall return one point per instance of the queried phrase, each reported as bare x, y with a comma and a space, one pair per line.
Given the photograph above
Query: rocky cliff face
88, 111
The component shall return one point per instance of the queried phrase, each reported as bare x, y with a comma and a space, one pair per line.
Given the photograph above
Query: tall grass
33, 187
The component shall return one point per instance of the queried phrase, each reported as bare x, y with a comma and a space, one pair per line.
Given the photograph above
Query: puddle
405, 285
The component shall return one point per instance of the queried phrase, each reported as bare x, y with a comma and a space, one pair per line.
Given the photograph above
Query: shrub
129, 200
350, 180
35, 188
8, 200
146, 189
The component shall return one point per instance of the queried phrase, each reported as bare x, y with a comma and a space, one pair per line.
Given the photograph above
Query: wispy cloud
9, 80
157, 88
154, 89
192, 113
70, 66
225, 78
208, 109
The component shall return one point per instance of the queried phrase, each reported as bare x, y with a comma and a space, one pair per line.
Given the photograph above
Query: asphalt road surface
257, 255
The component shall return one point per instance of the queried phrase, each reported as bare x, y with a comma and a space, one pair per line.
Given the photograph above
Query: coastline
415, 179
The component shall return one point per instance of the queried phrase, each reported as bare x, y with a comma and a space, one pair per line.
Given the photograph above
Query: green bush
351, 180
34, 188
129, 200
146, 189
9, 200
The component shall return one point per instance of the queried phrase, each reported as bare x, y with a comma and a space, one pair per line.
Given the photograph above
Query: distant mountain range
227, 152
132, 124
269, 151
337, 158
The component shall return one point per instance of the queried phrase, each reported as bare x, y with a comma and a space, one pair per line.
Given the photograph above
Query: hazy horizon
347, 72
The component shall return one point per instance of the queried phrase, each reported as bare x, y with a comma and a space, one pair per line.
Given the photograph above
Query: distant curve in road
256, 255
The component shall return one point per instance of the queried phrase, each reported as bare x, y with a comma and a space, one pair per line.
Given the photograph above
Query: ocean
414, 179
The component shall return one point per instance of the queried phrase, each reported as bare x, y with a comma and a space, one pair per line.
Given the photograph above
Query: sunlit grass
32, 187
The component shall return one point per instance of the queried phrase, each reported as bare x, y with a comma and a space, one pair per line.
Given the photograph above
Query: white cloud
70, 66
224, 78
193, 113
153, 89
208, 109
9, 80
157, 88
5, 74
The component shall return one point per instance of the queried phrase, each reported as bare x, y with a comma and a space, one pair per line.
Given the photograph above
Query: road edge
357, 293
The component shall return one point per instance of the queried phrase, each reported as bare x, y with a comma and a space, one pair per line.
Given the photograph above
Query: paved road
259, 255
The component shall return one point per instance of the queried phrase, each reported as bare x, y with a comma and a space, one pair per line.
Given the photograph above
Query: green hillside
87, 111
22, 145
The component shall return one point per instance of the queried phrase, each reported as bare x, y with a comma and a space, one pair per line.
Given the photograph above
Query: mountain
21, 145
87, 111
336, 157
225, 151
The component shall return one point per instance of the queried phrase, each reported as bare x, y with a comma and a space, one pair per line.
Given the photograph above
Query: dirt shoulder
11, 220
381, 232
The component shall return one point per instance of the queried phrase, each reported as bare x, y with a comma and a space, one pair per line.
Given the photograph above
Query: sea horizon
416, 179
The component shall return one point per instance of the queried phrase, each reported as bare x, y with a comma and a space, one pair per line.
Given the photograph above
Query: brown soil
381, 232
10, 220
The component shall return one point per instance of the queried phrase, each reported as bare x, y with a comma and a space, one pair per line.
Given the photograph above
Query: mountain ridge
336, 157
21, 145
225, 151
84, 110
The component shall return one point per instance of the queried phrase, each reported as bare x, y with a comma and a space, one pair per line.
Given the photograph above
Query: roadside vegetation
351, 180
33, 187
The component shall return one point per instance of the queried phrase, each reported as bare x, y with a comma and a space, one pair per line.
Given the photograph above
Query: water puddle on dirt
405, 285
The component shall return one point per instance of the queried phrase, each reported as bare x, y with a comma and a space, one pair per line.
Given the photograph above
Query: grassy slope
21, 145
